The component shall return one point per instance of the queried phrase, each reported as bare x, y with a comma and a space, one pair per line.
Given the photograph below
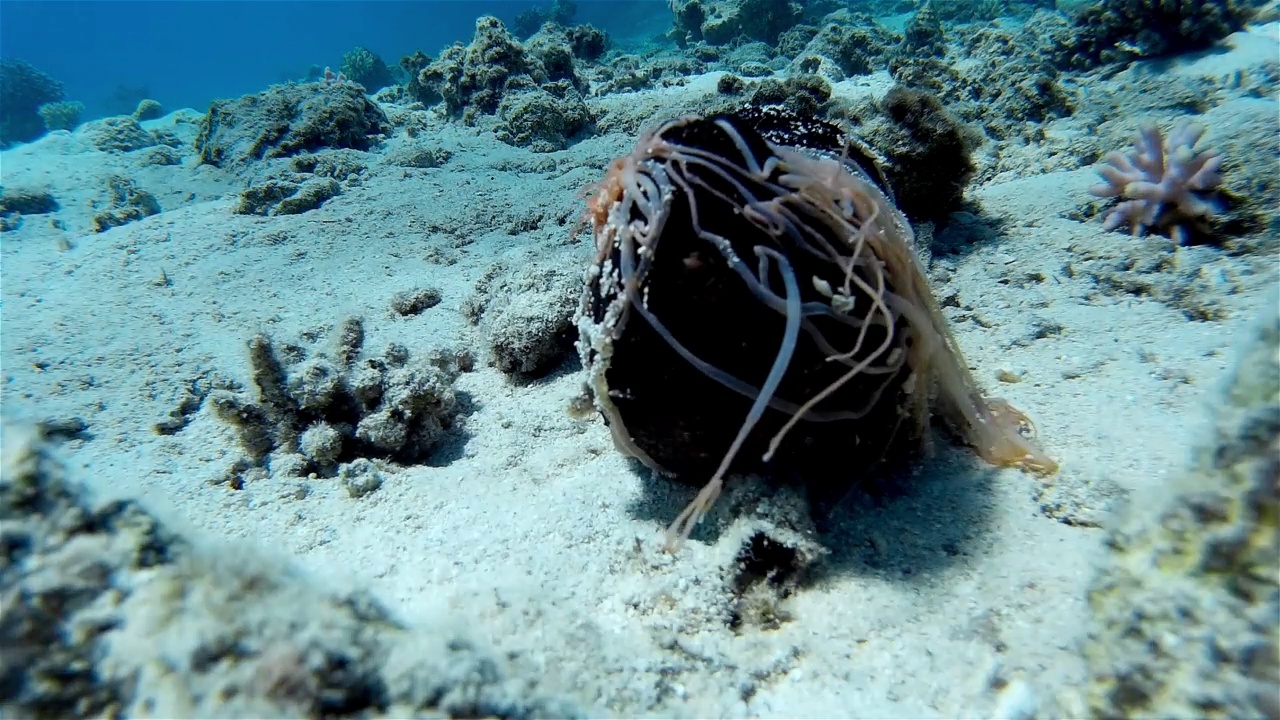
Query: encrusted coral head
753, 277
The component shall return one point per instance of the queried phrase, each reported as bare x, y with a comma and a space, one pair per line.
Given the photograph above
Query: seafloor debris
325, 409
1165, 184
752, 275
106, 611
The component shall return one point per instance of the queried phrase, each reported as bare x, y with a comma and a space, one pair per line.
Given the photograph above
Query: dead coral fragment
335, 411
1163, 182
787, 291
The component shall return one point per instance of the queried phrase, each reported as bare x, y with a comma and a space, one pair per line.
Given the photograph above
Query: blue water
186, 53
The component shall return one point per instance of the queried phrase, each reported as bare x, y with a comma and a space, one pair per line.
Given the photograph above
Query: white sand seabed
537, 536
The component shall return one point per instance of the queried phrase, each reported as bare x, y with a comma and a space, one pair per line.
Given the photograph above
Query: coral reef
1187, 606
628, 73
317, 411
61, 115
587, 42
148, 109
473, 77
23, 89
838, 50
363, 67
1004, 78
542, 118
1010, 78
552, 48
720, 21
106, 611
1164, 183
287, 120
802, 94
923, 36
528, 22
413, 65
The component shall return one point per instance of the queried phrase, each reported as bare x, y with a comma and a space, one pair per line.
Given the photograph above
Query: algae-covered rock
287, 120
543, 118
118, 134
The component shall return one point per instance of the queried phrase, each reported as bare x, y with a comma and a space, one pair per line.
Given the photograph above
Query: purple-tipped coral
1163, 183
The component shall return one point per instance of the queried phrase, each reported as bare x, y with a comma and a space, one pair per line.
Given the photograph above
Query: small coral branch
1165, 184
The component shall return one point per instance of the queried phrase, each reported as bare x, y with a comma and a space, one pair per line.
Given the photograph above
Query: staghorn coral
1164, 183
